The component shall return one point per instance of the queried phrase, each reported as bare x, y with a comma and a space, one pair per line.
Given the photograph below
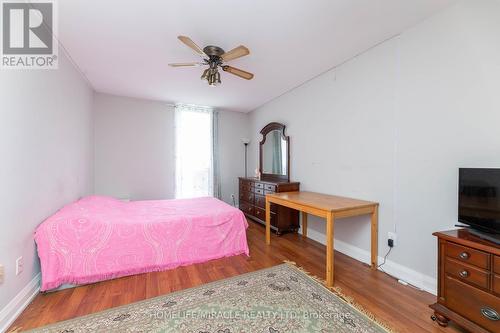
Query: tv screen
479, 199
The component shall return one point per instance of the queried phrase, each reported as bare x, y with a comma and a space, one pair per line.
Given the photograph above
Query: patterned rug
274, 300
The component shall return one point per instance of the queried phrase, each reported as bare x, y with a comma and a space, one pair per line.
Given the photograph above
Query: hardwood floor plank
403, 307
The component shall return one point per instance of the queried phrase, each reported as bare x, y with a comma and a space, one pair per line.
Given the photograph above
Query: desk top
321, 201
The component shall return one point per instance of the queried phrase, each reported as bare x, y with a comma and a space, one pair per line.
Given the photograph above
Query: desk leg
268, 222
304, 224
374, 246
330, 221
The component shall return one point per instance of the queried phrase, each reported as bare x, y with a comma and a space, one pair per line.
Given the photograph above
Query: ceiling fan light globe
210, 79
205, 74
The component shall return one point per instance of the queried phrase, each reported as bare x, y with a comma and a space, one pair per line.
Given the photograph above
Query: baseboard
14, 308
401, 272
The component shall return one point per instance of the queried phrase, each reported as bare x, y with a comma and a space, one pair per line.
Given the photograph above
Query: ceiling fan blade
186, 40
235, 53
186, 64
238, 72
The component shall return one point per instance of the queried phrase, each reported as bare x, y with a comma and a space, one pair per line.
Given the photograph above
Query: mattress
99, 238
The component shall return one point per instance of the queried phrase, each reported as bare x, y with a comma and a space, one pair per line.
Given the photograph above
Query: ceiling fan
215, 57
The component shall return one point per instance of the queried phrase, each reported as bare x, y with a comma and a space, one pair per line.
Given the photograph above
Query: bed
99, 238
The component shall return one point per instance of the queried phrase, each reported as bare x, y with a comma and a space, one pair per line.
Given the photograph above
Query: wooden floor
403, 308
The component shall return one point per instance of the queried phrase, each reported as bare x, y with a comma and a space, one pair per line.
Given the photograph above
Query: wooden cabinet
253, 203
468, 282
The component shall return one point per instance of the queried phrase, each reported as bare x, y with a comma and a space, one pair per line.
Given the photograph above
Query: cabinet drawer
474, 304
259, 191
259, 185
496, 264
245, 188
467, 255
247, 208
248, 183
260, 201
467, 273
261, 214
269, 187
274, 208
496, 284
247, 196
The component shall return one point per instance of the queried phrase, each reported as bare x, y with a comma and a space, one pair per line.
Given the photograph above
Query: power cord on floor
385, 258
403, 282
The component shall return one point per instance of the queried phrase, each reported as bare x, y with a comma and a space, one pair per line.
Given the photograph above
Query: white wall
46, 162
394, 125
233, 126
134, 148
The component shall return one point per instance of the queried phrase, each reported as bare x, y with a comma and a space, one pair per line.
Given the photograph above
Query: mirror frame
269, 176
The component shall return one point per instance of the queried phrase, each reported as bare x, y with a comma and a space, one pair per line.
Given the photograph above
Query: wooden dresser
468, 282
253, 203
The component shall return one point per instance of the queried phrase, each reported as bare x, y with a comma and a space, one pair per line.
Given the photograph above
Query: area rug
275, 300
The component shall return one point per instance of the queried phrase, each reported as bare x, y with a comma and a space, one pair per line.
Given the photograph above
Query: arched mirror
274, 153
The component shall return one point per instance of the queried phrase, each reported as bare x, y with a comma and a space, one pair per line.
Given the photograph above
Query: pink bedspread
99, 238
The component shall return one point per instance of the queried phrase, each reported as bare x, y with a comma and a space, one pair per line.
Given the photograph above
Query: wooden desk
329, 207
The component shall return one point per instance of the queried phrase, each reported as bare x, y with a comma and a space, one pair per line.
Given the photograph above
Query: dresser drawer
496, 284
476, 305
247, 196
246, 188
246, 182
261, 214
496, 264
259, 191
259, 185
467, 273
269, 187
467, 255
260, 201
247, 208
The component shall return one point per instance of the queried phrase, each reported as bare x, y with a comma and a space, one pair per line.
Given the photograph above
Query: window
193, 151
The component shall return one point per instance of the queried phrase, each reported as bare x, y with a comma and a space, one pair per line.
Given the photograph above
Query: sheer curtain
215, 156
195, 130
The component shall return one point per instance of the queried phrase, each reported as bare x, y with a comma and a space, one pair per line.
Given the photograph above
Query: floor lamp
245, 142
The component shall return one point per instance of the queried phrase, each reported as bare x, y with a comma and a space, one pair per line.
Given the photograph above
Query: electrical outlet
2, 273
19, 265
393, 236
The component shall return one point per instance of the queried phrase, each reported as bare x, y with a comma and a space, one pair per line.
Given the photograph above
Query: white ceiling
123, 46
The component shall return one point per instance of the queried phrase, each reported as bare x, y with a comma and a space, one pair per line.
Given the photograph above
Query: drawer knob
464, 274
490, 314
464, 255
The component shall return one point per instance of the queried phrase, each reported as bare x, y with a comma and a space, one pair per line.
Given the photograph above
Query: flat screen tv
479, 199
